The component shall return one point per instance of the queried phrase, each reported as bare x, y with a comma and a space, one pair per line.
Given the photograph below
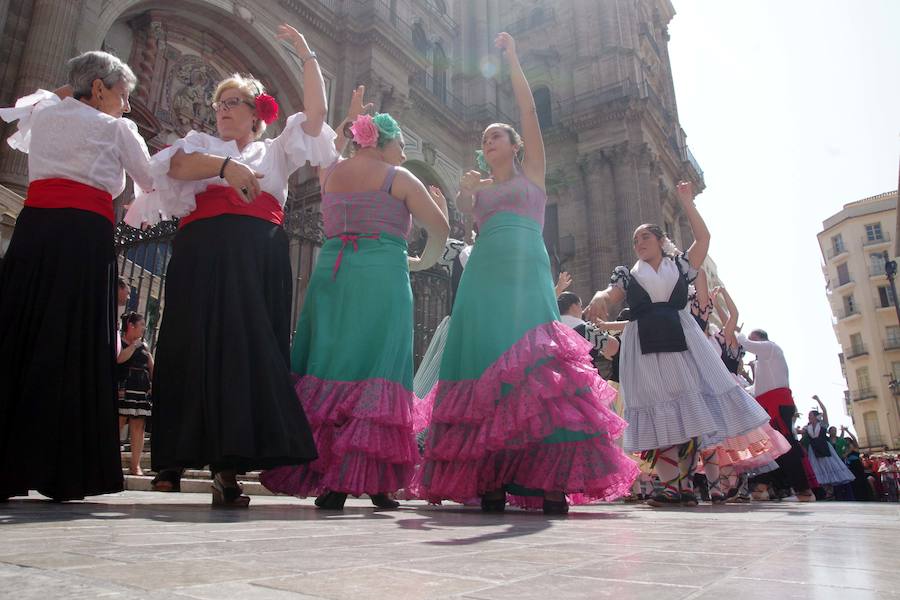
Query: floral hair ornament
266, 108
482, 162
365, 132
388, 128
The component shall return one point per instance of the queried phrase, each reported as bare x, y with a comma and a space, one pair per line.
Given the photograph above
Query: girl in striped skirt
678, 395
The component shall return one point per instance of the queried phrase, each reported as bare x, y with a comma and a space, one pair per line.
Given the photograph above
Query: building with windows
856, 243
600, 75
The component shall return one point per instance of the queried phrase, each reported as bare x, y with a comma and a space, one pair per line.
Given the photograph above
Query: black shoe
384, 501
492, 503
688, 499
556, 507
664, 498
331, 501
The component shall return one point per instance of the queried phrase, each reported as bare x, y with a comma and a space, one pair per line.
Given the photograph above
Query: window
856, 344
849, 305
885, 298
873, 429
895, 370
876, 263
873, 232
542, 105
440, 73
843, 274
892, 337
837, 243
862, 379
420, 40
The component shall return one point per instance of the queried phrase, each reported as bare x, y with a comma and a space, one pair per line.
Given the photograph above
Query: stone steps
193, 485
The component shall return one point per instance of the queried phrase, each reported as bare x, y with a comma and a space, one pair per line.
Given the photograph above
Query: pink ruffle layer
489, 432
755, 449
364, 434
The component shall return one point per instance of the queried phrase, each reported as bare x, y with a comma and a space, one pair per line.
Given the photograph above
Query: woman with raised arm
678, 396
359, 395
58, 406
223, 390
829, 468
518, 406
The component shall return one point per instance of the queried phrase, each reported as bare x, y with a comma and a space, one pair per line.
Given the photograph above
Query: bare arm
600, 303
357, 107
699, 249
534, 164
315, 104
824, 410
198, 165
562, 283
128, 351
470, 183
761, 349
424, 208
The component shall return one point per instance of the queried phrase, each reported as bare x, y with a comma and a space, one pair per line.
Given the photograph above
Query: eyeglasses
230, 103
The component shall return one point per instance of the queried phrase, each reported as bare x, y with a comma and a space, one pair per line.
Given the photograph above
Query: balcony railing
425, 81
693, 161
892, 343
846, 313
885, 237
538, 18
856, 351
835, 251
862, 394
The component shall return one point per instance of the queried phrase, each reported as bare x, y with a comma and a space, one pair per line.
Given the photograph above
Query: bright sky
792, 108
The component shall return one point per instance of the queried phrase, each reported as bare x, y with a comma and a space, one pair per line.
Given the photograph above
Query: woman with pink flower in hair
353, 346
222, 384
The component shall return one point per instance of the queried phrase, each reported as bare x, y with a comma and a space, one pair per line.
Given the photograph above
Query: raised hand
505, 42
357, 103
288, 33
472, 182
685, 191
563, 282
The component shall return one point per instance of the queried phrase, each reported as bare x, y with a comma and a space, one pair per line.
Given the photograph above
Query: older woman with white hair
223, 389
58, 431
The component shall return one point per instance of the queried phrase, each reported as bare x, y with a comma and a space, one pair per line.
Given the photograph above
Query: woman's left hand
414, 263
286, 32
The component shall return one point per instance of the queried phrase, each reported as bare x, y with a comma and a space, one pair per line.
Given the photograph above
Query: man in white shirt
771, 389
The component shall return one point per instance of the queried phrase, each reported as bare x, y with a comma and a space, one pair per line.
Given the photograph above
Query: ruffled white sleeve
169, 197
24, 111
298, 147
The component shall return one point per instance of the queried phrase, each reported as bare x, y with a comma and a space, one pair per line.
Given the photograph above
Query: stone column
51, 41
602, 216
628, 208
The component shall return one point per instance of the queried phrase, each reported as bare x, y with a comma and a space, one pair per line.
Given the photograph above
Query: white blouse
274, 158
657, 283
70, 140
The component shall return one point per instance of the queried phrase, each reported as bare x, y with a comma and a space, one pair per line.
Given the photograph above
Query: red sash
65, 193
772, 401
223, 200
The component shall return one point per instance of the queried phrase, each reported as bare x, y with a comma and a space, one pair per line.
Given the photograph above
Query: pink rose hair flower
365, 132
266, 108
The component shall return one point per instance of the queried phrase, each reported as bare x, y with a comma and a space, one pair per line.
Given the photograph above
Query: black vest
659, 326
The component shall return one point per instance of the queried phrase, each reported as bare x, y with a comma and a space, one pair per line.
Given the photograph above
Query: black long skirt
223, 393
58, 420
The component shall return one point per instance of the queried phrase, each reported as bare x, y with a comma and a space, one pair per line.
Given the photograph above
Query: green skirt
353, 355
518, 405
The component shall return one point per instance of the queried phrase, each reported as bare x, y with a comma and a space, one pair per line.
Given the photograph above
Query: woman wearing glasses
222, 381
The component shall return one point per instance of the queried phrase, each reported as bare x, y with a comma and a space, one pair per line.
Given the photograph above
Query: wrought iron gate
143, 257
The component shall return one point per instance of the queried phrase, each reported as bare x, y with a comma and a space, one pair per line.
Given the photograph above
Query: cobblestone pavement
153, 545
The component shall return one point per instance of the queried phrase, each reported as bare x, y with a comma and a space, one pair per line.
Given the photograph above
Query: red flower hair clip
266, 108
